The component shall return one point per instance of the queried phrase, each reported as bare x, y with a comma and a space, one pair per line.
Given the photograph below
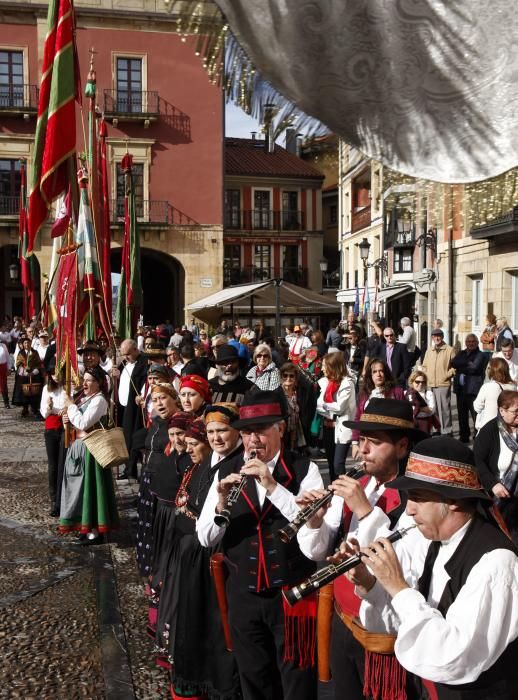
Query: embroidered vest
391, 502
256, 557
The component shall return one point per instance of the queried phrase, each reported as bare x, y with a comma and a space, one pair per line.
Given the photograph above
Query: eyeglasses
509, 410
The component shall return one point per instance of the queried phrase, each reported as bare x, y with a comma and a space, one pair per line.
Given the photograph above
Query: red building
273, 215
160, 106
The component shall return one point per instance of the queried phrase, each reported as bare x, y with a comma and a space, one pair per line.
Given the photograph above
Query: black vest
257, 558
500, 682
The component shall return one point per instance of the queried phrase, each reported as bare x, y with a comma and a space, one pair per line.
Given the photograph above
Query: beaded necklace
182, 494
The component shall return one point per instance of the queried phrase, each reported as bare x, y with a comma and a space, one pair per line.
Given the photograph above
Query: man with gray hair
407, 336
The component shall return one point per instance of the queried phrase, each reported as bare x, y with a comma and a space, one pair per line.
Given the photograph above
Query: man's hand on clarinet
353, 494
306, 498
360, 576
259, 470
382, 560
223, 489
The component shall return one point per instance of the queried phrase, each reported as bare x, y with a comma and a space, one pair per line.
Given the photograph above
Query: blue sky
238, 123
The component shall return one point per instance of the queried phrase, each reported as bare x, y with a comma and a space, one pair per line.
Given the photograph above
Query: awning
294, 300
348, 296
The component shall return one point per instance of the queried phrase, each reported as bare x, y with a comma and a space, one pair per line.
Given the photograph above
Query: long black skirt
146, 515
189, 624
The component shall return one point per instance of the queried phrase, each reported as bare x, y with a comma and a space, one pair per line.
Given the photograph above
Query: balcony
19, 99
250, 273
9, 207
132, 106
404, 239
154, 213
265, 220
360, 219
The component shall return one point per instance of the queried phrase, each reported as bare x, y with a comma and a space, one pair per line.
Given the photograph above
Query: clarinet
223, 519
288, 532
332, 571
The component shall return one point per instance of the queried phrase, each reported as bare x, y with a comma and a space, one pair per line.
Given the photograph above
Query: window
290, 263
262, 214
261, 262
232, 263
11, 79
333, 215
356, 278
138, 186
477, 318
232, 209
129, 85
10, 182
403, 259
290, 214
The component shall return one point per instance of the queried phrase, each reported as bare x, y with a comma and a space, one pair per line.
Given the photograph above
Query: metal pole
278, 283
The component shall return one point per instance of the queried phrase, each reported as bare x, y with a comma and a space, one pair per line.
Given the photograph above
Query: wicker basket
31, 389
107, 447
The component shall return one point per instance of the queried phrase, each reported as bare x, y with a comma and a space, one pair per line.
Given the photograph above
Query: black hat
444, 465
437, 331
226, 353
90, 346
155, 350
388, 415
260, 408
160, 370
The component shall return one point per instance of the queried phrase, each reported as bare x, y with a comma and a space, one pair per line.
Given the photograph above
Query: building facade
161, 107
272, 214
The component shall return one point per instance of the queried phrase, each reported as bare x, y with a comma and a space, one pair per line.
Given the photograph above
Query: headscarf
198, 384
197, 431
222, 413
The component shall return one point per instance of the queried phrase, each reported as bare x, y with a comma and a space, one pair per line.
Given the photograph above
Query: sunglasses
262, 355
288, 376
419, 381
388, 335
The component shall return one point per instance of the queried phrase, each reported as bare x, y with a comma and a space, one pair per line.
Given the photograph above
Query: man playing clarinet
357, 511
273, 644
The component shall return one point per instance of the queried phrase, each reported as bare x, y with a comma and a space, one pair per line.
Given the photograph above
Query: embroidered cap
444, 465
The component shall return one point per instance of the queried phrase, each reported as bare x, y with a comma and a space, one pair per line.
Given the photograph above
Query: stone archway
163, 284
11, 292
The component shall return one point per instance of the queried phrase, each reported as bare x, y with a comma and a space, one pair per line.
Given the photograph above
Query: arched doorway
11, 292
163, 284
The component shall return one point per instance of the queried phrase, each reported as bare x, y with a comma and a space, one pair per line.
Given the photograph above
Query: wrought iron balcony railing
143, 103
151, 212
250, 273
19, 98
10, 205
265, 220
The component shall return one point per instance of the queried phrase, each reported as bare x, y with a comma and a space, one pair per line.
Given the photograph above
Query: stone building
161, 106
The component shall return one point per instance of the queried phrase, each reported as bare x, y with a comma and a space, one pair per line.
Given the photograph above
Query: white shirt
4, 354
124, 382
408, 338
209, 534
96, 407
316, 543
513, 363
298, 344
486, 402
58, 401
479, 625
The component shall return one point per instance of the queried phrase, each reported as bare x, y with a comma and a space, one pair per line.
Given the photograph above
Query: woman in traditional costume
165, 402
87, 494
190, 632
28, 381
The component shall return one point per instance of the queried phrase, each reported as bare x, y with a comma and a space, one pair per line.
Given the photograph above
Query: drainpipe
450, 285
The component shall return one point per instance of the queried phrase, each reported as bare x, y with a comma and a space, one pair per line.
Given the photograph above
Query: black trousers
347, 662
52, 444
465, 409
257, 629
336, 453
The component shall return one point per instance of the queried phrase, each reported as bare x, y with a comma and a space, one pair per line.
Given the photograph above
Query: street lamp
14, 272
323, 269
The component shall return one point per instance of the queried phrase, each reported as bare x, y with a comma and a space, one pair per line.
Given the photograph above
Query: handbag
316, 425
107, 446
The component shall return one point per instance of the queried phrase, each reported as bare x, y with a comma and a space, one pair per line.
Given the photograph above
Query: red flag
105, 237
26, 264
66, 303
55, 138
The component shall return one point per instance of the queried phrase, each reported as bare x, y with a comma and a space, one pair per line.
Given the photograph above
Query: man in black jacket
470, 366
395, 355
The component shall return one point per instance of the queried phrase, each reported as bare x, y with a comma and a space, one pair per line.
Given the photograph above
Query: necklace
183, 495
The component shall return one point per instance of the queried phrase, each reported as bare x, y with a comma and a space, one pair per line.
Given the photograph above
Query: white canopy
261, 296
